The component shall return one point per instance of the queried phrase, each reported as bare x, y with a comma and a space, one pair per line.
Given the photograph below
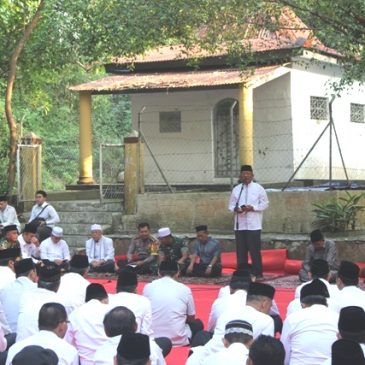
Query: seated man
29, 243
55, 249
10, 239
7, 214
143, 250
173, 249
208, 251
100, 251
320, 248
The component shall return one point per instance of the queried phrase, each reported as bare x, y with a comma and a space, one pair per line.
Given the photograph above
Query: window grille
319, 107
357, 114
170, 122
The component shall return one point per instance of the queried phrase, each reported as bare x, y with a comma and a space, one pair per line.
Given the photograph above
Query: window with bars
170, 122
319, 107
357, 113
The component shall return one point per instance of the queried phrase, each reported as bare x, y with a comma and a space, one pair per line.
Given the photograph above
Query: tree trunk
9, 94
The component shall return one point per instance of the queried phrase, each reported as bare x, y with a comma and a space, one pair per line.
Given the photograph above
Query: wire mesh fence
111, 171
195, 145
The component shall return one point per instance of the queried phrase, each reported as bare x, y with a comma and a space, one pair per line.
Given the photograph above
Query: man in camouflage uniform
143, 251
10, 239
173, 249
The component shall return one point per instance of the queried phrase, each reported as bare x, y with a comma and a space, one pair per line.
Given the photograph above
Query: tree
88, 33
9, 92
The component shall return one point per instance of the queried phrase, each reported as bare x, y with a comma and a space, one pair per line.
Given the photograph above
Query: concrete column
141, 167
131, 174
246, 124
30, 167
86, 151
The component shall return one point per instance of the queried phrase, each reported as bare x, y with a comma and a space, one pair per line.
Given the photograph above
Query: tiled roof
138, 82
293, 33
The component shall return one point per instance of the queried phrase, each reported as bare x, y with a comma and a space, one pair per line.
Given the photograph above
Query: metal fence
60, 165
111, 171
197, 145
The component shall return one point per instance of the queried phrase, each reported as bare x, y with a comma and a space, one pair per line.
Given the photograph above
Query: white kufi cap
57, 232
164, 232
96, 227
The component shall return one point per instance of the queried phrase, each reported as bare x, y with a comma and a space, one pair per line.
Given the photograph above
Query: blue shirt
206, 251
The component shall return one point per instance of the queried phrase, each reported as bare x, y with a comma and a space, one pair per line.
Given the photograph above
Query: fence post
30, 156
131, 173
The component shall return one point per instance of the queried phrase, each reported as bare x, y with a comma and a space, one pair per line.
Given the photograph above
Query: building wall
186, 157
273, 143
314, 80
289, 212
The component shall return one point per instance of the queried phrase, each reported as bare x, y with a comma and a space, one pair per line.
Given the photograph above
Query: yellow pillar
131, 164
86, 152
246, 124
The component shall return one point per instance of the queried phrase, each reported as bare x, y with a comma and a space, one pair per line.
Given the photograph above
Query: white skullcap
96, 227
164, 232
57, 232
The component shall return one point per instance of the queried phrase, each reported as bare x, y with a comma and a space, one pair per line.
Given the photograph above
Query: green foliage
338, 216
74, 33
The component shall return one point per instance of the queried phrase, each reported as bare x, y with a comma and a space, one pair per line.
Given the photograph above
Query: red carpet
204, 295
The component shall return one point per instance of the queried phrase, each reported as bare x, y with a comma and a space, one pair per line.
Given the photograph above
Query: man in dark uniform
173, 249
11, 237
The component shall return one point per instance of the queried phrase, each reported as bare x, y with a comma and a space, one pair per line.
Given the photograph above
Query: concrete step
86, 217
71, 229
87, 206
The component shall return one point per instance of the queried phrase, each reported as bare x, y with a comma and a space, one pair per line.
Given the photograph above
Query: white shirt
225, 290
67, 355
225, 303
10, 298
49, 214
105, 353
29, 250
8, 216
6, 276
4, 325
252, 194
308, 335
235, 354
54, 251
348, 296
171, 303
30, 304
86, 329
295, 305
3, 342
72, 291
100, 250
261, 324
332, 288
139, 305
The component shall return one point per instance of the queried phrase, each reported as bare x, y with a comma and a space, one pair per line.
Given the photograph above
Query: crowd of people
52, 313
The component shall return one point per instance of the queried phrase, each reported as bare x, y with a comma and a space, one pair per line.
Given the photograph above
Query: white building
201, 125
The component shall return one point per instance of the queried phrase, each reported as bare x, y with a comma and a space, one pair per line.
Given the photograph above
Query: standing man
320, 248
44, 215
7, 214
100, 251
207, 249
248, 201
143, 250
